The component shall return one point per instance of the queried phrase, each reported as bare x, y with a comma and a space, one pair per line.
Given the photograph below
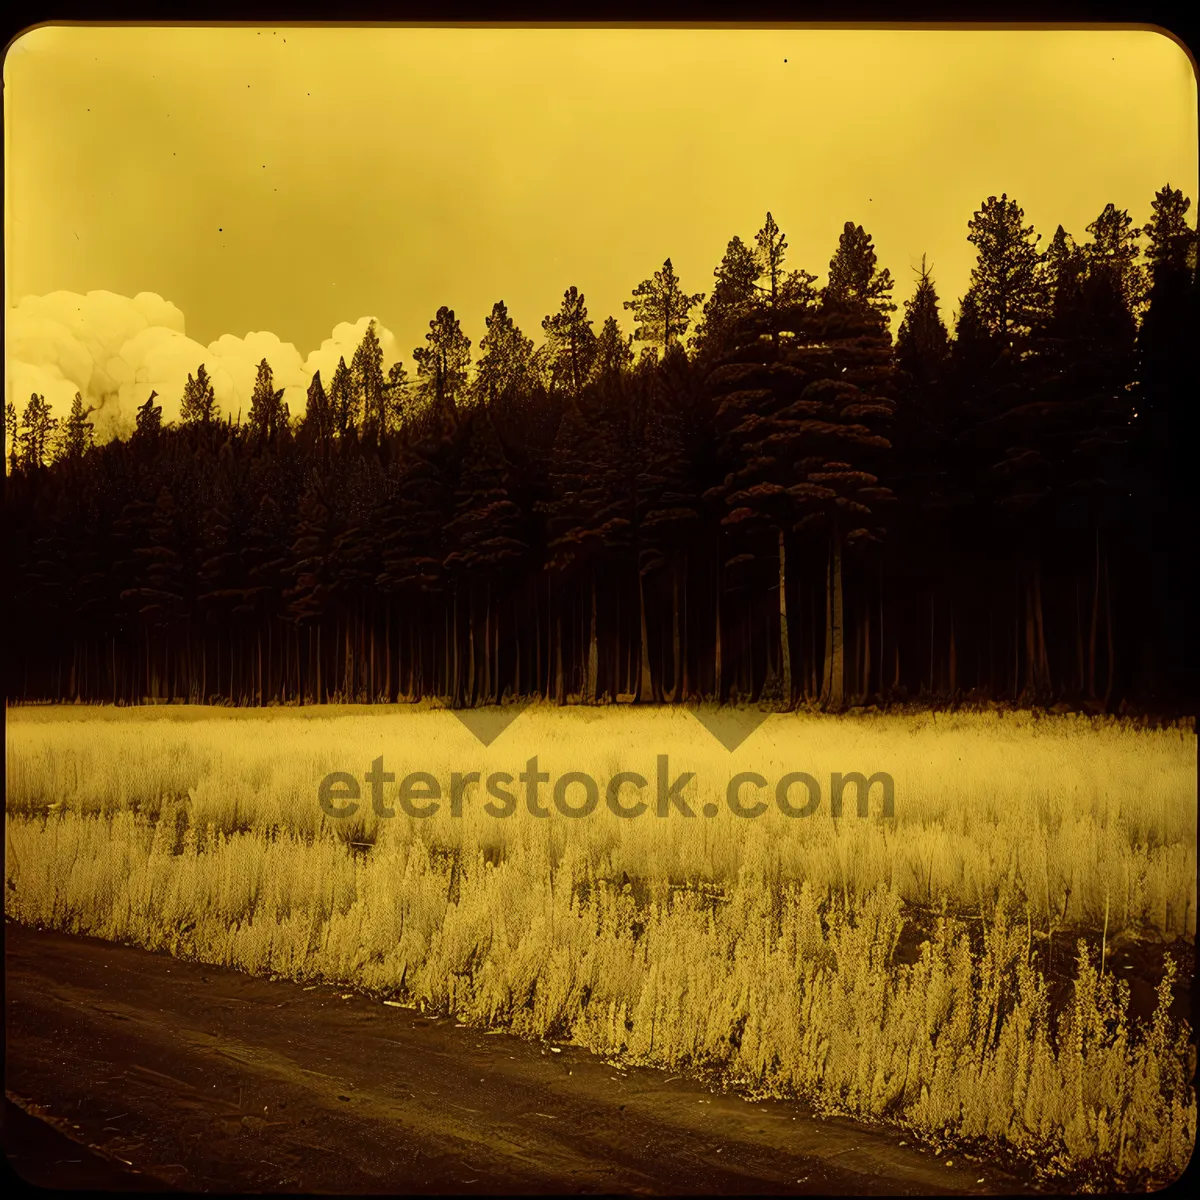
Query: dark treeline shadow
792, 509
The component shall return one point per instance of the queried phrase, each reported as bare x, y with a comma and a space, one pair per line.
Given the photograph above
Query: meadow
907, 969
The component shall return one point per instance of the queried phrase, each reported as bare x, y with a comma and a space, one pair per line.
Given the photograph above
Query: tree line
774, 501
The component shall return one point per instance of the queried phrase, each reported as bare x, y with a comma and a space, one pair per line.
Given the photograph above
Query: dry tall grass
766, 951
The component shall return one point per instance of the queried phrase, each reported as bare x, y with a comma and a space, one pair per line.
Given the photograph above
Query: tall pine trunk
1043, 657
1108, 631
717, 631
470, 696
953, 654
517, 645
1080, 662
452, 635
488, 674
675, 680
866, 669
1031, 645
559, 691
835, 696
593, 662
1091, 669
785, 648
685, 686
645, 688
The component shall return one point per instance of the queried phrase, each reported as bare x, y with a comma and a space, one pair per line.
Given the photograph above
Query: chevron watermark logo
729, 724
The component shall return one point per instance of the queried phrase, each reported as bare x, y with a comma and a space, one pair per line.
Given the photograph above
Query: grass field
899, 969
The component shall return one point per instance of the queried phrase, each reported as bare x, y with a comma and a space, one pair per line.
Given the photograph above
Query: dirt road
207, 1079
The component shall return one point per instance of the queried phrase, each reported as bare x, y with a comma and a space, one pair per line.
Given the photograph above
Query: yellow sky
289, 179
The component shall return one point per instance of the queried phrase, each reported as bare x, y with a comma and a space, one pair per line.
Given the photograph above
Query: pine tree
162, 597
797, 415
159, 594
149, 419
504, 358
661, 308
366, 377
309, 564
146, 442
781, 289
36, 433
771, 253
311, 551
613, 355
268, 413
487, 543
10, 434
265, 570
975, 346
1112, 290
395, 394
442, 366
1172, 240
341, 401
930, 421
1111, 257
570, 343
591, 517
1063, 268
1165, 427
667, 420
842, 440
77, 435
361, 504
922, 344
1006, 290
220, 578
855, 280
414, 548
318, 419
732, 299
199, 404
1165, 343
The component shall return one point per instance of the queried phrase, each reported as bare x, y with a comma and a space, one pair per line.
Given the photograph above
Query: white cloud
342, 344
156, 359
233, 363
115, 351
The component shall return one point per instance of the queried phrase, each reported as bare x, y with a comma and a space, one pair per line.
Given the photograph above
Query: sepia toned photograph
600, 609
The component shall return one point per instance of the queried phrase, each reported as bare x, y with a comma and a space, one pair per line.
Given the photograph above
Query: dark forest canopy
773, 501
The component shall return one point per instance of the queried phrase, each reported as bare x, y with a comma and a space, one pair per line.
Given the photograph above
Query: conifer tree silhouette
442, 365
199, 404
318, 420
504, 367
789, 508
342, 407
367, 382
661, 308
922, 343
614, 353
570, 344
732, 299
268, 413
10, 434
1005, 287
396, 397
485, 534
148, 428
36, 434
78, 433
854, 276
